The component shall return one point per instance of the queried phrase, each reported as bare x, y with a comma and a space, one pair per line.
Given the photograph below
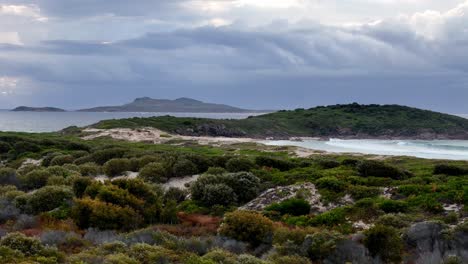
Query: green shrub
26, 245
115, 167
350, 162
360, 192
244, 186
175, 194
293, 207
427, 202
282, 165
45, 199
103, 155
4, 147
385, 242
8, 177
79, 185
218, 194
220, 256
89, 169
216, 171
328, 163
321, 244
239, 164
380, 169
115, 195
451, 170
154, 172
331, 218
8, 255
184, 167
247, 226
392, 206
34, 179
393, 220
294, 259
93, 213
60, 160
331, 183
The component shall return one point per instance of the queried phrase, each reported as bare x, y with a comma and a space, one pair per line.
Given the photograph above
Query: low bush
60, 160
34, 179
89, 169
331, 218
8, 177
105, 216
26, 245
175, 194
282, 165
242, 187
44, 199
392, 206
154, 172
451, 170
380, 169
293, 207
331, 183
247, 226
216, 171
79, 185
239, 164
393, 220
328, 163
360, 192
115, 167
184, 167
384, 241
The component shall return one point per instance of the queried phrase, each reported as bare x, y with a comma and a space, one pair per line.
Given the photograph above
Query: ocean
428, 149
54, 121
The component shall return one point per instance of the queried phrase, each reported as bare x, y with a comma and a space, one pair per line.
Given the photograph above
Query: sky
257, 54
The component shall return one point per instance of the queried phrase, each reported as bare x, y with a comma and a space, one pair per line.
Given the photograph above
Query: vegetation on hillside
65, 200
352, 120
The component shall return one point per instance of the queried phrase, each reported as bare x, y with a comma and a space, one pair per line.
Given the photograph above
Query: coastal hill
340, 121
188, 105
37, 109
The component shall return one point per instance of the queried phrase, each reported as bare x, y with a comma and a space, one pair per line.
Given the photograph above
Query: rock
349, 251
432, 243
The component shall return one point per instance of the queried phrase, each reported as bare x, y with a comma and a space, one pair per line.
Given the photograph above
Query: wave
432, 149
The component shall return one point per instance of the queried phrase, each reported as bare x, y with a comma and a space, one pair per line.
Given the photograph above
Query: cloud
212, 49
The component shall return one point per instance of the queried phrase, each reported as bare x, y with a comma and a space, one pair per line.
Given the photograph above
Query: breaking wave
430, 149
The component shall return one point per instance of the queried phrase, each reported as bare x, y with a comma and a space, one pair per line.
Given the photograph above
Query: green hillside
350, 121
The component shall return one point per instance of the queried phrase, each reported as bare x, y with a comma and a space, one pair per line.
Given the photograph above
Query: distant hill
37, 109
340, 121
146, 104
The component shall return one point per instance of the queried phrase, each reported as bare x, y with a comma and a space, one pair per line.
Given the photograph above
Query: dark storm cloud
291, 65
84, 8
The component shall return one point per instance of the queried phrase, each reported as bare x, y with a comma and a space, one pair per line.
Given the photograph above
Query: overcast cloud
249, 53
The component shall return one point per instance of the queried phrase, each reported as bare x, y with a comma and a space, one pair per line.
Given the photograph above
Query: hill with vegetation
67, 200
342, 121
37, 109
187, 105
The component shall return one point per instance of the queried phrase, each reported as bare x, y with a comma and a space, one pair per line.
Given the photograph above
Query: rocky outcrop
433, 243
307, 191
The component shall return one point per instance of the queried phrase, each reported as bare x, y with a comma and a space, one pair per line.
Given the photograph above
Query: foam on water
430, 149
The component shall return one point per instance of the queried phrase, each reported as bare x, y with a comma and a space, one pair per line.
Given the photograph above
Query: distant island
336, 121
37, 109
181, 105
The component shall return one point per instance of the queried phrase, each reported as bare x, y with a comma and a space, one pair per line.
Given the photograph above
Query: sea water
54, 121
429, 149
